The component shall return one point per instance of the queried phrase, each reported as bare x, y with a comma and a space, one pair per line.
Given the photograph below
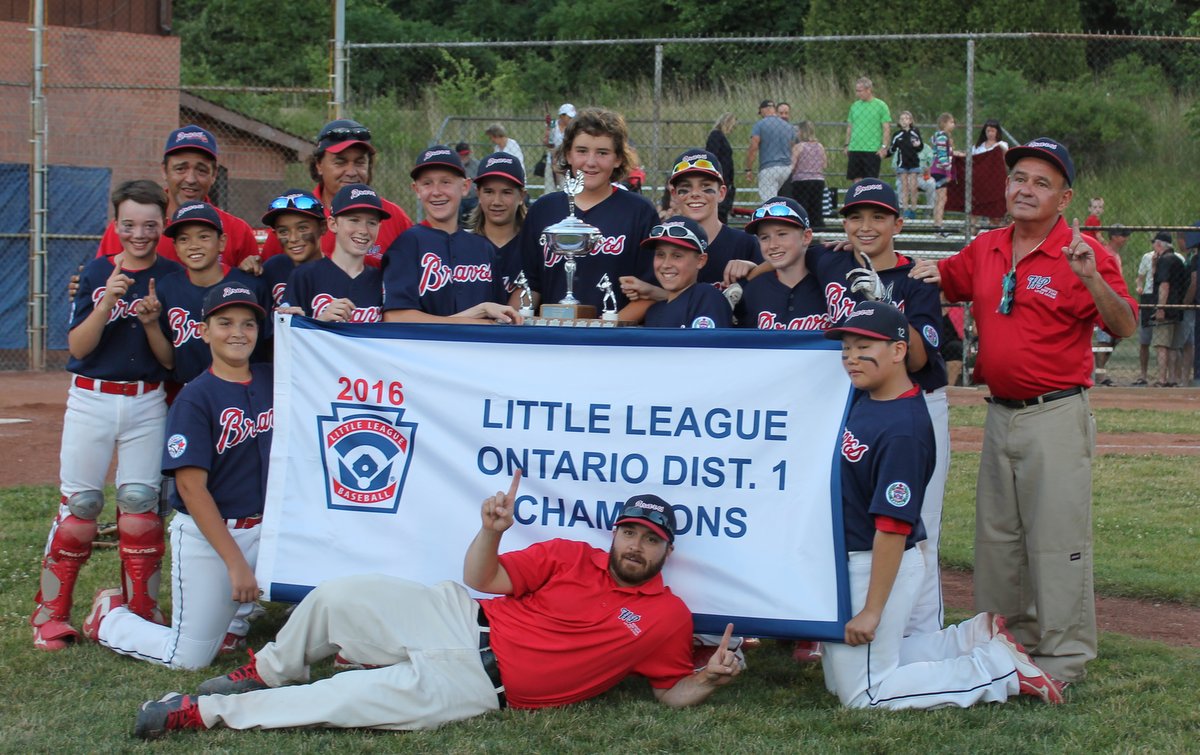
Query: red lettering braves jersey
887, 460
123, 352
768, 304
225, 429
440, 273
624, 220
730, 244
315, 285
275, 274
698, 306
1045, 343
182, 309
240, 242
918, 300
389, 229
568, 632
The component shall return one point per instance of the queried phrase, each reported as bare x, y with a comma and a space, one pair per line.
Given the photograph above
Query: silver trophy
610, 299
522, 284
570, 238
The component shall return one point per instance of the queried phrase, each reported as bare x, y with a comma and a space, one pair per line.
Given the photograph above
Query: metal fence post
658, 95
969, 226
339, 58
36, 327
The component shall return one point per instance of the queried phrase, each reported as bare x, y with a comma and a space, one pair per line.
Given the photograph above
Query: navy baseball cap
871, 191
462, 148
873, 319
438, 156
698, 161
196, 212
782, 210
651, 512
191, 137
502, 165
357, 197
296, 201
680, 231
1164, 237
343, 133
1044, 148
230, 294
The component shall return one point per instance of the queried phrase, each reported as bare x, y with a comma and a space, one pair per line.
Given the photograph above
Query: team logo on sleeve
365, 453
898, 494
176, 445
704, 321
931, 335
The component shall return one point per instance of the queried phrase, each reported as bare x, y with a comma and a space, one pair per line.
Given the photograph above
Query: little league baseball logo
365, 454
898, 494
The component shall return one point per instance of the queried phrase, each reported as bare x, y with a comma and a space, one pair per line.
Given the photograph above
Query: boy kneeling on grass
887, 460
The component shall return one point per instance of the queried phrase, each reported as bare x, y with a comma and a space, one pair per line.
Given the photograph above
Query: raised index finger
725, 640
151, 293
1076, 236
516, 483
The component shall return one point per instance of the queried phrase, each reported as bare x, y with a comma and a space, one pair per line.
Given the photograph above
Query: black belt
488, 657
1045, 398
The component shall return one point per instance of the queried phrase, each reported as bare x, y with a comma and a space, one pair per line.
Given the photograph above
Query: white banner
388, 437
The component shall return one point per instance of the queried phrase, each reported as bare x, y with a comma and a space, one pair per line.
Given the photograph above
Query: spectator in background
771, 142
808, 173
718, 144
1170, 284
1117, 237
868, 133
1191, 240
942, 169
503, 142
1095, 210
989, 138
471, 166
1187, 326
1146, 299
784, 111
554, 139
906, 148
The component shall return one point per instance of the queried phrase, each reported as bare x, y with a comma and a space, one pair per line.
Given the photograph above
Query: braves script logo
360, 314
630, 619
435, 153
838, 301
121, 308
867, 187
497, 161
613, 245
191, 136
356, 193
365, 453
436, 274
1040, 284
238, 427
277, 292
183, 327
770, 321
190, 208
851, 448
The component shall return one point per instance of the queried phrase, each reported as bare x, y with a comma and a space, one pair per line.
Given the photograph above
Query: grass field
1140, 696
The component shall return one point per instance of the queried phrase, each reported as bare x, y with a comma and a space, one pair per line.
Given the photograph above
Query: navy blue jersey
887, 459
768, 304
275, 274
225, 429
508, 262
122, 352
624, 220
182, 308
698, 306
440, 273
918, 300
730, 244
315, 285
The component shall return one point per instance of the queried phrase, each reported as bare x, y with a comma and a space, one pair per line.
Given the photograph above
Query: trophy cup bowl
570, 238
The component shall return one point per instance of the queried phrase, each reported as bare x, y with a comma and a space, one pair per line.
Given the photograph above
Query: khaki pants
1033, 530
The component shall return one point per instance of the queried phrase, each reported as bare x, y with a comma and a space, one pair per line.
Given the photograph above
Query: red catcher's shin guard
70, 546
140, 539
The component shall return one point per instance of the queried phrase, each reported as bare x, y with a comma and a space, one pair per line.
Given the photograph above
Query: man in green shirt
868, 132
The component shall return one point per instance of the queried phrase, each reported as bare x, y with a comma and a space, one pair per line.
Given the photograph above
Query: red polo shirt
389, 229
1045, 343
239, 241
569, 632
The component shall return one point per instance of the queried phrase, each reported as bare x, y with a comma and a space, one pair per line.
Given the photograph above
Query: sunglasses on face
292, 201
1008, 285
360, 133
779, 211
702, 163
677, 232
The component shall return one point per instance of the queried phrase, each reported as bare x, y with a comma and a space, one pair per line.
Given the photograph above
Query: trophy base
567, 311
579, 322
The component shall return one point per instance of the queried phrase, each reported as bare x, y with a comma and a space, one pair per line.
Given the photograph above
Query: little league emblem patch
365, 454
898, 494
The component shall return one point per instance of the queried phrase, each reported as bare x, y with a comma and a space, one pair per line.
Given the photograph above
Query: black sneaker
241, 679
174, 712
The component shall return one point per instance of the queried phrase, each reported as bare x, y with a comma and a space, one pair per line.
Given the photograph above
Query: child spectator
436, 271
218, 446
942, 169
887, 458
341, 287
680, 246
808, 173
786, 297
906, 150
116, 400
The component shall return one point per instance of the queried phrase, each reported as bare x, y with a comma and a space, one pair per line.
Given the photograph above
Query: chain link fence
103, 102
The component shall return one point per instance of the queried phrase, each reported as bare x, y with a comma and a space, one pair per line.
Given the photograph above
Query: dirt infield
31, 414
